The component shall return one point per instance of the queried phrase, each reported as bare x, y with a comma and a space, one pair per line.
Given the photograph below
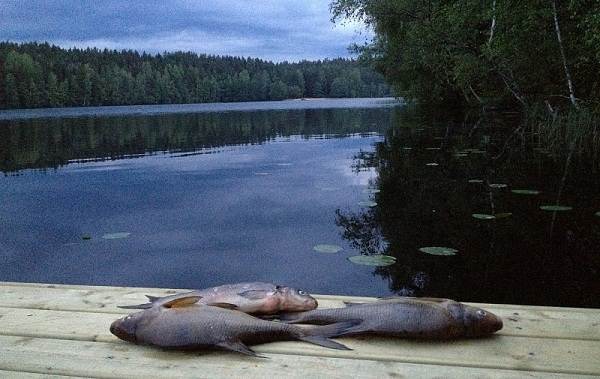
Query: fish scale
184, 324
407, 317
249, 297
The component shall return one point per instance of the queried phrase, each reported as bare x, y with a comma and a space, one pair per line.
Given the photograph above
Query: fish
184, 324
407, 317
252, 297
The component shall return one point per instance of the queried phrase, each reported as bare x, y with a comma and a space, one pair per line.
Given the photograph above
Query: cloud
271, 29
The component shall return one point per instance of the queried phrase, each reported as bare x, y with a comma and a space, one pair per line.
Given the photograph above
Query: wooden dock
57, 330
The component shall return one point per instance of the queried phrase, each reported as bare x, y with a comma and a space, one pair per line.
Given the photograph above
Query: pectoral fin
223, 305
254, 294
152, 299
182, 302
239, 347
351, 303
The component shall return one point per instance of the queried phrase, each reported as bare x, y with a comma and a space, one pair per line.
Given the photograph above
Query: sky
274, 30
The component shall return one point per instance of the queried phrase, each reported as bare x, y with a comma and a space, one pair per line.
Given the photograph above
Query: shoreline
159, 109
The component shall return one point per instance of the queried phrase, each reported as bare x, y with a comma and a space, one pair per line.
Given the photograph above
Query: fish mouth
497, 325
491, 325
117, 328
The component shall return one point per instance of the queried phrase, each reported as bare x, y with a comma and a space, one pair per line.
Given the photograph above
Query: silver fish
425, 318
252, 297
184, 324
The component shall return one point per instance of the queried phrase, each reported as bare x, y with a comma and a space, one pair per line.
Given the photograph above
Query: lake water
191, 200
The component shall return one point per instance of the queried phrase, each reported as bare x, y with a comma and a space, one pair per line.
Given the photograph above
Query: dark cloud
270, 29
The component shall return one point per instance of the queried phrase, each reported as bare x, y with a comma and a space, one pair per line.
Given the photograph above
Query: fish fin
182, 302
223, 305
334, 330
240, 347
152, 299
325, 342
404, 299
139, 306
253, 294
351, 303
432, 299
318, 334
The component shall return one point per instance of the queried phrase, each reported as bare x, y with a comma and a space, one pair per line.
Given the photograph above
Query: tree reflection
510, 260
51, 143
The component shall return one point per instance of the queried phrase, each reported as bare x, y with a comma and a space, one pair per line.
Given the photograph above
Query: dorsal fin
152, 298
407, 299
182, 302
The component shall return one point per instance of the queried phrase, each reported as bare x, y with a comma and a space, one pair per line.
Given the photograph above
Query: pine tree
52, 97
12, 94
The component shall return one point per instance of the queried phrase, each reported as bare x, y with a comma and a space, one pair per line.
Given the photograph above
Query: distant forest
34, 75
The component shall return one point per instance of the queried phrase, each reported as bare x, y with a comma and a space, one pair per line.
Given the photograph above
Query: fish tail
319, 334
139, 306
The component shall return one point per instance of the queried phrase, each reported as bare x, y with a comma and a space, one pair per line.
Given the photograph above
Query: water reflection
55, 142
196, 200
525, 255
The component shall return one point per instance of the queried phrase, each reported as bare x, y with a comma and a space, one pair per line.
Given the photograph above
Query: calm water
206, 198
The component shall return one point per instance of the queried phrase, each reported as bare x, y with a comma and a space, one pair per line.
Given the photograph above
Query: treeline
521, 54
36, 75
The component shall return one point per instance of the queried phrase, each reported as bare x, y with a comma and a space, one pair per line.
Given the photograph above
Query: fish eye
301, 293
481, 313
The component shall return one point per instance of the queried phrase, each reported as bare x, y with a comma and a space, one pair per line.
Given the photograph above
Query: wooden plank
137, 294
30, 375
500, 352
542, 322
107, 360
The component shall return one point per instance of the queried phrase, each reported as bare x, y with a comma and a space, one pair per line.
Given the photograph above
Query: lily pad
373, 260
525, 192
432, 148
478, 181
367, 203
498, 185
371, 190
407, 148
262, 173
329, 249
86, 237
432, 164
460, 155
503, 215
555, 208
438, 250
115, 236
483, 216
597, 213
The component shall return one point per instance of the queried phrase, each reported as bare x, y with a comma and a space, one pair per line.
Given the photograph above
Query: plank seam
327, 354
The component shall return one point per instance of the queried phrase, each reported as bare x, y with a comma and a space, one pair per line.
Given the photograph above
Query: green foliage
483, 52
41, 75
